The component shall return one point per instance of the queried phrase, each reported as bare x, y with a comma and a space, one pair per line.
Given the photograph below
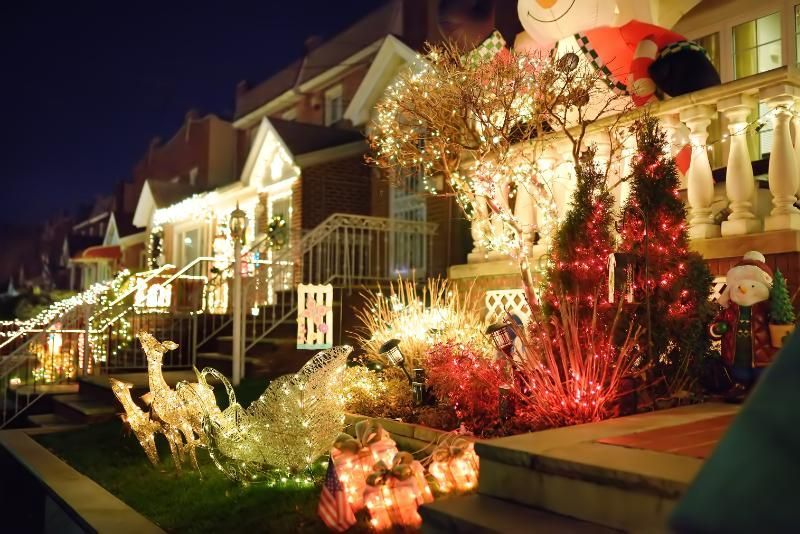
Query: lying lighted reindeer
183, 413
145, 428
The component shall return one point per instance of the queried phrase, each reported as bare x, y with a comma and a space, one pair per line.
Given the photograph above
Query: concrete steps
569, 473
479, 514
80, 409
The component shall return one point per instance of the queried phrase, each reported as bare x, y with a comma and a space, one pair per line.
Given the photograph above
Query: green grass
186, 503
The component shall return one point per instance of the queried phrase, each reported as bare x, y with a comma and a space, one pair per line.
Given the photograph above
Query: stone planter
408, 436
779, 331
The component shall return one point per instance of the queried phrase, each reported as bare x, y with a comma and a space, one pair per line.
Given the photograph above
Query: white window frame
334, 94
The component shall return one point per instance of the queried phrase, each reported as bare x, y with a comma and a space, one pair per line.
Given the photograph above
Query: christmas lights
294, 422
454, 465
394, 494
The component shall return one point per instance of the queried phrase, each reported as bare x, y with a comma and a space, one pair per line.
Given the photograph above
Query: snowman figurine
743, 323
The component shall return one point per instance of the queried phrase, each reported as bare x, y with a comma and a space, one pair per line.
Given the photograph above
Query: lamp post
237, 226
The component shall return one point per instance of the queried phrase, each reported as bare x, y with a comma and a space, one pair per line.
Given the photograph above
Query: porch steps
81, 409
479, 514
51, 422
569, 473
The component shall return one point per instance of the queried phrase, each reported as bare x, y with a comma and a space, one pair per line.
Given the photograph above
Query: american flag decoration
333, 507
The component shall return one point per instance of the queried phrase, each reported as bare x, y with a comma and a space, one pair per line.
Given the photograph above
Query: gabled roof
392, 56
387, 19
301, 138
159, 194
278, 144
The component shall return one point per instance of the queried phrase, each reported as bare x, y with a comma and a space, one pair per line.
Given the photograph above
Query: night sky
86, 85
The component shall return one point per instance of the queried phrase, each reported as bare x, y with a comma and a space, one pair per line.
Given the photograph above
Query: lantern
238, 224
455, 466
502, 335
391, 351
393, 495
355, 458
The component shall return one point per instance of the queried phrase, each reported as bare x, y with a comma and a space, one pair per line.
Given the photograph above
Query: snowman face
746, 289
548, 21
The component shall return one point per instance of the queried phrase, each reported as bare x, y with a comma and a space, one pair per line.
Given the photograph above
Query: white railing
719, 123
345, 250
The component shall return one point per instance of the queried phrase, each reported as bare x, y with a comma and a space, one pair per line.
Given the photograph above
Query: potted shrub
782, 316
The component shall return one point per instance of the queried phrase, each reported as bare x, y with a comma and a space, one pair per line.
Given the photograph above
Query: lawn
187, 503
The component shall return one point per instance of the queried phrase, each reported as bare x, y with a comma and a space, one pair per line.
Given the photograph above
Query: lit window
334, 105
757, 46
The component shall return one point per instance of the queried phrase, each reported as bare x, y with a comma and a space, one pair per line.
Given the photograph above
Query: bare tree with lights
486, 127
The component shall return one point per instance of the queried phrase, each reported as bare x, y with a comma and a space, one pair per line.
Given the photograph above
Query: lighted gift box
393, 494
355, 458
455, 466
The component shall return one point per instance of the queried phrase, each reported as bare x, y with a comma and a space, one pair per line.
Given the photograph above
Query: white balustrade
740, 184
700, 181
783, 177
686, 121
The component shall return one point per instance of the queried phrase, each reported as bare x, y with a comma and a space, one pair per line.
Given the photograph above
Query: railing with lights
730, 189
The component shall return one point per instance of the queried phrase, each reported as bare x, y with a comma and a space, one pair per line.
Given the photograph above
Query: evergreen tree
678, 280
781, 311
584, 239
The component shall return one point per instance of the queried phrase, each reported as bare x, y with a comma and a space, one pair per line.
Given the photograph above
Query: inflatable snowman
743, 323
617, 38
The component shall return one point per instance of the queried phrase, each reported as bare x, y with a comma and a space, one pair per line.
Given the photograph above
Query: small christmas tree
678, 281
584, 239
781, 311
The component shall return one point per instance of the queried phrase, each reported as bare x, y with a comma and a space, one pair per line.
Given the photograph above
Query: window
334, 105
757, 46
711, 44
191, 245
797, 33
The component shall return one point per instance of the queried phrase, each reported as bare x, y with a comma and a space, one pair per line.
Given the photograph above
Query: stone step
569, 472
84, 410
51, 422
479, 514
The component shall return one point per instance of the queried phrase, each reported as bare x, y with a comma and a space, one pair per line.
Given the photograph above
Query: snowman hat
757, 261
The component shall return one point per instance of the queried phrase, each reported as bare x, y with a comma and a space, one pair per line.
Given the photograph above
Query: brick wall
451, 242
340, 186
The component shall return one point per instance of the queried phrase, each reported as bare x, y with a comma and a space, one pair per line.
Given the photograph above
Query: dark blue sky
86, 85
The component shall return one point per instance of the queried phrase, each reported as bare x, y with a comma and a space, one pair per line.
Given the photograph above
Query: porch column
739, 182
796, 141
700, 182
627, 142
525, 213
783, 178
565, 178
602, 142
477, 229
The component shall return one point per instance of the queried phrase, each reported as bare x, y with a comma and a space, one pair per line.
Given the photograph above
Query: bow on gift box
367, 433
401, 470
449, 451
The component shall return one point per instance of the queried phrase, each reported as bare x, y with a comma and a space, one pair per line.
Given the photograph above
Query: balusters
739, 180
783, 177
700, 181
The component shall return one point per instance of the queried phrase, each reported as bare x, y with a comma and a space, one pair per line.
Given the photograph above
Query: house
742, 184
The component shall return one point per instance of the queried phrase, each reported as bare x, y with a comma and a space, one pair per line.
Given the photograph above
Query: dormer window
334, 105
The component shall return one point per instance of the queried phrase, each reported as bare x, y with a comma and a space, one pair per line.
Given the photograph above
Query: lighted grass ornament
479, 125
418, 318
294, 422
355, 458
